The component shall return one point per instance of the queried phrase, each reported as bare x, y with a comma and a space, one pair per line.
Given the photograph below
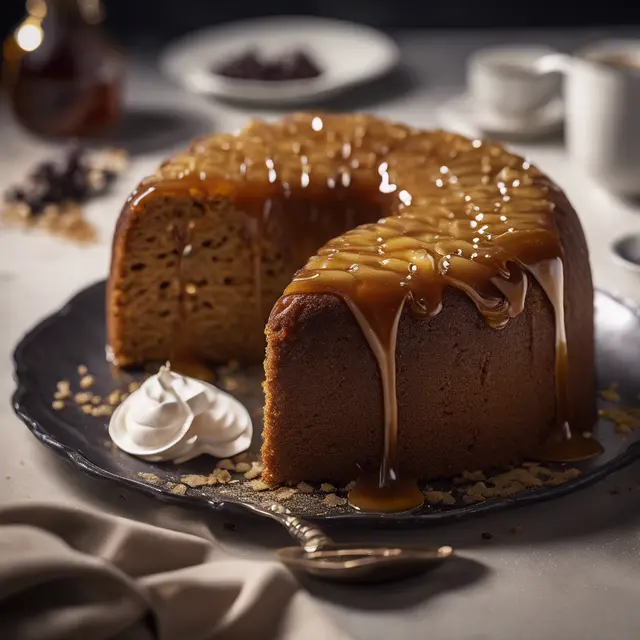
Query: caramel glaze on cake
204, 248
455, 334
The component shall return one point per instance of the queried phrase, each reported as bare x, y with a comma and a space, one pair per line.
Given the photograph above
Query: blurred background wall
159, 20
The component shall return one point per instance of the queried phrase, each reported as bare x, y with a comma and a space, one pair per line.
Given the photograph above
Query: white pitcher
602, 110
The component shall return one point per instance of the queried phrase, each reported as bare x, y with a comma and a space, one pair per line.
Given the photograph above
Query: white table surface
572, 571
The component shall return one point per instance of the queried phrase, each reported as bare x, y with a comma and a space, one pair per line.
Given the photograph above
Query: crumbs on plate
51, 196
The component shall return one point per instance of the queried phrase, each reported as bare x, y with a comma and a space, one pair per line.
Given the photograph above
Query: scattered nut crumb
179, 489
254, 472
86, 408
327, 487
134, 386
229, 383
242, 467
102, 410
440, 497
624, 420
514, 481
83, 397
82, 370
151, 478
519, 476
563, 476
113, 398
65, 220
247, 456
195, 480
474, 476
259, 485
96, 400
285, 493
611, 394
304, 487
64, 388
480, 490
221, 475
333, 500
86, 381
57, 405
227, 464
467, 477
540, 471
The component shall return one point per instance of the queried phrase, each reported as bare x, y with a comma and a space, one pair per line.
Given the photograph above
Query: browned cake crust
469, 396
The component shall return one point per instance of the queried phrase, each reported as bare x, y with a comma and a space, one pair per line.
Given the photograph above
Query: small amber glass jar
63, 73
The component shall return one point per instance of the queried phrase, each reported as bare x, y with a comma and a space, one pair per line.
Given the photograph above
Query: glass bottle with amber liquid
63, 73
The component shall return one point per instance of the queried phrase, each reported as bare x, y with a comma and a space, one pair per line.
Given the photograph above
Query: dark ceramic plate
76, 335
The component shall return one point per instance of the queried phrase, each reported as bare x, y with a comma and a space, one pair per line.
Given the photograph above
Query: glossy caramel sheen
474, 217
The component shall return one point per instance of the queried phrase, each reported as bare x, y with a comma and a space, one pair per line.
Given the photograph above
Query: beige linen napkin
67, 573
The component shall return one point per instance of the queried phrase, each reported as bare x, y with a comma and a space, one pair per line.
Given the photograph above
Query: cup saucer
462, 115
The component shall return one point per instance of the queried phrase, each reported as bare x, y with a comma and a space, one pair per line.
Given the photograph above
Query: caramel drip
564, 445
550, 276
381, 332
401, 495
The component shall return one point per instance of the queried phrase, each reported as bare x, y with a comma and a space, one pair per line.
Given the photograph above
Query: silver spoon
320, 556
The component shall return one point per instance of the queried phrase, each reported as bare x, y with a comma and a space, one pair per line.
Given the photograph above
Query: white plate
347, 53
462, 115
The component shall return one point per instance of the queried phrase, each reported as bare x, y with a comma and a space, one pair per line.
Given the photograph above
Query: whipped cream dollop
177, 418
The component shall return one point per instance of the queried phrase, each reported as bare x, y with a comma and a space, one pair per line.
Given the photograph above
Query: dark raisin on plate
250, 65
77, 176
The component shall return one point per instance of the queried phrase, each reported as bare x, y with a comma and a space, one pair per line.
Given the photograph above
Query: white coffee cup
505, 82
602, 110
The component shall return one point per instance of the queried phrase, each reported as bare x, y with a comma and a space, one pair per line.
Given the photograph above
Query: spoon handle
308, 536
